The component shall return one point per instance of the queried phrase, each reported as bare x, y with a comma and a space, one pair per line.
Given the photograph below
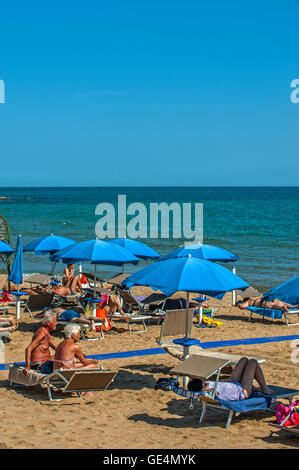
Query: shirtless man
259, 302
68, 354
37, 354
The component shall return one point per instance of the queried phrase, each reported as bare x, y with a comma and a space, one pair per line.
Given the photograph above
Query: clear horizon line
153, 186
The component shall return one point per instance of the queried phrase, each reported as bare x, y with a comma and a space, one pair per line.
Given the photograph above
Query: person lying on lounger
70, 316
72, 287
240, 383
263, 303
37, 354
68, 354
12, 324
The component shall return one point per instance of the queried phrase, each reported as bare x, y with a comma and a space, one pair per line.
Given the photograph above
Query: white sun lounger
85, 326
131, 318
66, 380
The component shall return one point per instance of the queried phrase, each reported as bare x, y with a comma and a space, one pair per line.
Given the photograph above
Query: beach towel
32, 377
101, 313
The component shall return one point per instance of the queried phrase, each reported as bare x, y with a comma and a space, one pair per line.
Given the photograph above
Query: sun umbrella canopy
48, 244
201, 251
5, 249
187, 274
97, 252
139, 249
287, 292
16, 274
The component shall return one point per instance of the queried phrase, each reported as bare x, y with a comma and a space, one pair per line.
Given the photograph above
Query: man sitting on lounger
68, 354
263, 303
71, 316
37, 354
240, 383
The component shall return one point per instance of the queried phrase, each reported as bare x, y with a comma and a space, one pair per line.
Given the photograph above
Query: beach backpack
287, 415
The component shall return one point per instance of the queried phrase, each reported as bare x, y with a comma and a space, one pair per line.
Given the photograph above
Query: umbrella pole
186, 348
18, 305
95, 280
234, 292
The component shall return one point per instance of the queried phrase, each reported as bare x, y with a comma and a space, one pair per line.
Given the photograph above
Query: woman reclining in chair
260, 302
240, 383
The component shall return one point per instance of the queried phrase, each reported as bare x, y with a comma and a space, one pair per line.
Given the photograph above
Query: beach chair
90, 278
248, 292
204, 367
84, 327
266, 312
3, 336
65, 380
37, 302
130, 318
174, 324
67, 301
118, 279
154, 305
273, 314
129, 302
38, 279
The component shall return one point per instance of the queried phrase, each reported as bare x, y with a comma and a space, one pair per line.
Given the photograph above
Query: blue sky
149, 93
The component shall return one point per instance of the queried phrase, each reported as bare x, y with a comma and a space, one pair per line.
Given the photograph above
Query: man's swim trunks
68, 315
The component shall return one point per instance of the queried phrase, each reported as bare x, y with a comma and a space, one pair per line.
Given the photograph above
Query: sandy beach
131, 414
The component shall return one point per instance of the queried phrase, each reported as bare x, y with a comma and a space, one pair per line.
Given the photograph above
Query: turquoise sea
259, 224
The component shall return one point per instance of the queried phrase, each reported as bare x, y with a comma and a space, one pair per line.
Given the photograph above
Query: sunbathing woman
263, 303
240, 383
72, 287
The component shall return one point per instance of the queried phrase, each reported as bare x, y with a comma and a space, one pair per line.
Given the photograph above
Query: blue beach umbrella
97, 252
16, 274
202, 251
187, 274
48, 244
139, 249
190, 275
287, 292
5, 248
